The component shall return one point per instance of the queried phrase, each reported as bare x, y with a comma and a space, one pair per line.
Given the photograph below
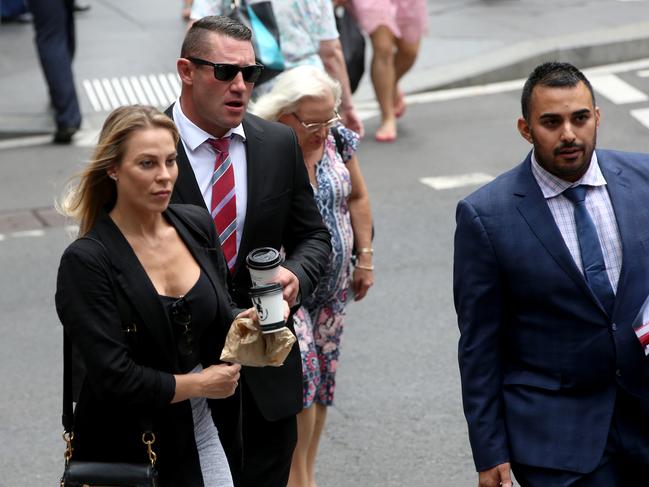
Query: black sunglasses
181, 317
227, 72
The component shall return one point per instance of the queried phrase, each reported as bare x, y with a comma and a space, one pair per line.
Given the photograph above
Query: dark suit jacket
129, 376
281, 212
540, 360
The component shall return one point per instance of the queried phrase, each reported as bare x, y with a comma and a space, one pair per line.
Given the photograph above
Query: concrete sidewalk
469, 42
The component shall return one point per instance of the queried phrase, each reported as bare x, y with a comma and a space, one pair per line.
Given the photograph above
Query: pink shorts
407, 19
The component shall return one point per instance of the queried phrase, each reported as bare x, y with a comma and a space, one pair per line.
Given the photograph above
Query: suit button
618, 373
614, 327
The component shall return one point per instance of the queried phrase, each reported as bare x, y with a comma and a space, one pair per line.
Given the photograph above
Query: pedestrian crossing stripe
616, 90
158, 90
457, 181
641, 115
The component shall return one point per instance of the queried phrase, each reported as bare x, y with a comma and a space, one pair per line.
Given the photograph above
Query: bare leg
320, 418
403, 61
299, 476
383, 79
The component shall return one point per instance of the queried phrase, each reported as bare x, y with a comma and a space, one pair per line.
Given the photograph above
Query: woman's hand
214, 382
219, 381
362, 280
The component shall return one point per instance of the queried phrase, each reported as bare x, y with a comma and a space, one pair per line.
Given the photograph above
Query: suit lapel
534, 209
254, 158
137, 286
629, 219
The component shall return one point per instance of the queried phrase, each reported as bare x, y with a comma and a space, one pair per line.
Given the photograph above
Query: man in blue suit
548, 285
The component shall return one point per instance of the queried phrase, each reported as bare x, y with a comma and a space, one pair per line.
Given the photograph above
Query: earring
113, 176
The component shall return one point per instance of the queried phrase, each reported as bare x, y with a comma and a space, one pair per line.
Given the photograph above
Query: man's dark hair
554, 75
194, 43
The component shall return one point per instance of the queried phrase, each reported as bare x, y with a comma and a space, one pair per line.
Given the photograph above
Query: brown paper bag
245, 344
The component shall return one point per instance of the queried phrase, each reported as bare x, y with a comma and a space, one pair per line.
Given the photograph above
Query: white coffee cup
263, 264
267, 299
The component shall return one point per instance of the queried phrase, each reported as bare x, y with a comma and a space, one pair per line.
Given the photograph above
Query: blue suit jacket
540, 359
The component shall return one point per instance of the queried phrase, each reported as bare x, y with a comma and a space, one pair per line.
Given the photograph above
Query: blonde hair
91, 190
293, 86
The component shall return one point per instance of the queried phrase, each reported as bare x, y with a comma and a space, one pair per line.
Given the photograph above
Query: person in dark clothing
55, 42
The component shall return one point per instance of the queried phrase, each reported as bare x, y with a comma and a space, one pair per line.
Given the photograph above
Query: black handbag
353, 43
104, 474
259, 17
100, 474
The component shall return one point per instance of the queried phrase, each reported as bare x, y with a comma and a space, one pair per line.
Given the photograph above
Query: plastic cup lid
263, 258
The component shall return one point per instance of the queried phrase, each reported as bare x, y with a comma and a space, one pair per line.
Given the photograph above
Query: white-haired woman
306, 99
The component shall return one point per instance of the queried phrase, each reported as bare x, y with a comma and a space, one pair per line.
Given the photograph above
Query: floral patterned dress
319, 322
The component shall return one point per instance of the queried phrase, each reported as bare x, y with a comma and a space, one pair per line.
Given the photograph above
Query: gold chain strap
148, 443
68, 437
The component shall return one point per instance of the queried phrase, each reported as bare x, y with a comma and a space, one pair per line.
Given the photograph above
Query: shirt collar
193, 135
552, 185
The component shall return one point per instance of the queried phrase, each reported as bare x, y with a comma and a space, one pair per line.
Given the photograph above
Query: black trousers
267, 447
625, 462
55, 42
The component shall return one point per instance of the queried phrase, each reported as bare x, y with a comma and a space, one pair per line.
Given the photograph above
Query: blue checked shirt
599, 206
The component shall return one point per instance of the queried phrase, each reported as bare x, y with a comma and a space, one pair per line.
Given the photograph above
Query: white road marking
149, 91
32, 141
365, 114
119, 92
91, 95
141, 97
132, 99
174, 80
86, 138
96, 84
27, 233
457, 181
616, 90
110, 93
641, 115
643, 73
158, 90
2, 237
171, 96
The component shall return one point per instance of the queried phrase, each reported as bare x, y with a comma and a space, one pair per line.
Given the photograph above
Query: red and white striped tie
224, 200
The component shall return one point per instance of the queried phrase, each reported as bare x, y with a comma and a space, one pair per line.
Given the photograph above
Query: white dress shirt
598, 204
202, 157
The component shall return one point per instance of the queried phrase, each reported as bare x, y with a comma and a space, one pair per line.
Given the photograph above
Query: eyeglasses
314, 127
227, 72
181, 316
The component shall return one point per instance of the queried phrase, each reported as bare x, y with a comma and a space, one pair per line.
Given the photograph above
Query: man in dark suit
551, 269
274, 208
55, 41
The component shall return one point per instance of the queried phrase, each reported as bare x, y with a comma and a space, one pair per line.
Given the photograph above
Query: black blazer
129, 375
281, 212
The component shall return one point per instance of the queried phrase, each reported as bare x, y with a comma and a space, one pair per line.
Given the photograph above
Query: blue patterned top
331, 194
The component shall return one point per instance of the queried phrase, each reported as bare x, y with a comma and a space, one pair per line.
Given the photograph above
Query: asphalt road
397, 420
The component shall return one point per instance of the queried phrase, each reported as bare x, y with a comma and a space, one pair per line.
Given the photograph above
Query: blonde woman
156, 358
